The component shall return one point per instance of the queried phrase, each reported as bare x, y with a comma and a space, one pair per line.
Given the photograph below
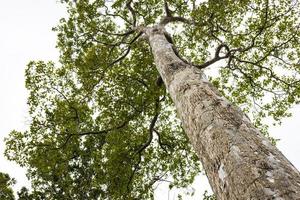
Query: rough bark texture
240, 162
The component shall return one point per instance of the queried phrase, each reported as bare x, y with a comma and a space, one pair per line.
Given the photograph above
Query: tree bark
239, 161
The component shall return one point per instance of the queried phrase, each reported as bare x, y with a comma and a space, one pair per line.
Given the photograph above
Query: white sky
26, 35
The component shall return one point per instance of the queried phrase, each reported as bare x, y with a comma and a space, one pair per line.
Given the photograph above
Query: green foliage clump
6, 183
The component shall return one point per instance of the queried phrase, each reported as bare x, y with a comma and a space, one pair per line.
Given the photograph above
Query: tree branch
148, 142
114, 15
216, 58
132, 11
270, 71
136, 167
128, 32
168, 19
105, 131
127, 51
167, 9
161, 144
252, 82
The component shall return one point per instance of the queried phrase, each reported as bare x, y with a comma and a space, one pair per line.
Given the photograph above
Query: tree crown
102, 123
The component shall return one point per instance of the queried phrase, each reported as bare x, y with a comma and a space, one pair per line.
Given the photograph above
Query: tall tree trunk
239, 161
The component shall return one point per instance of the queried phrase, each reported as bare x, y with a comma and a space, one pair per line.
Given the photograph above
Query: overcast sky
26, 35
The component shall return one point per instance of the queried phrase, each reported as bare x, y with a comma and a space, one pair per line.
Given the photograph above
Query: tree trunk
239, 161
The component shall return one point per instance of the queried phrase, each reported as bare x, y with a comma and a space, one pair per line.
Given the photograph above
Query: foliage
208, 197
25, 194
102, 126
6, 183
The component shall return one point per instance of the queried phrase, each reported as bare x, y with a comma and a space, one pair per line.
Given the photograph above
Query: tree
6, 184
104, 124
25, 194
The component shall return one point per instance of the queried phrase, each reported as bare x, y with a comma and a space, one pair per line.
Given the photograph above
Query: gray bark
239, 161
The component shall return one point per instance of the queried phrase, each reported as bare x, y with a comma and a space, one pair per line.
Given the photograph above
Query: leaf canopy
6, 184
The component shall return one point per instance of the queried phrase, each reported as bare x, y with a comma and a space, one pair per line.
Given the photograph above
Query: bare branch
270, 71
132, 11
127, 51
128, 32
148, 142
167, 9
161, 144
139, 80
252, 82
216, 58
105, 131
168, 19
136, 167
114, 15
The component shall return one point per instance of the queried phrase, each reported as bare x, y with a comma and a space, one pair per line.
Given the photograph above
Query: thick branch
167, 9
216, 58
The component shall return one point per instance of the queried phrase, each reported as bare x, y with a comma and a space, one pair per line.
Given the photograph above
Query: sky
26, 35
